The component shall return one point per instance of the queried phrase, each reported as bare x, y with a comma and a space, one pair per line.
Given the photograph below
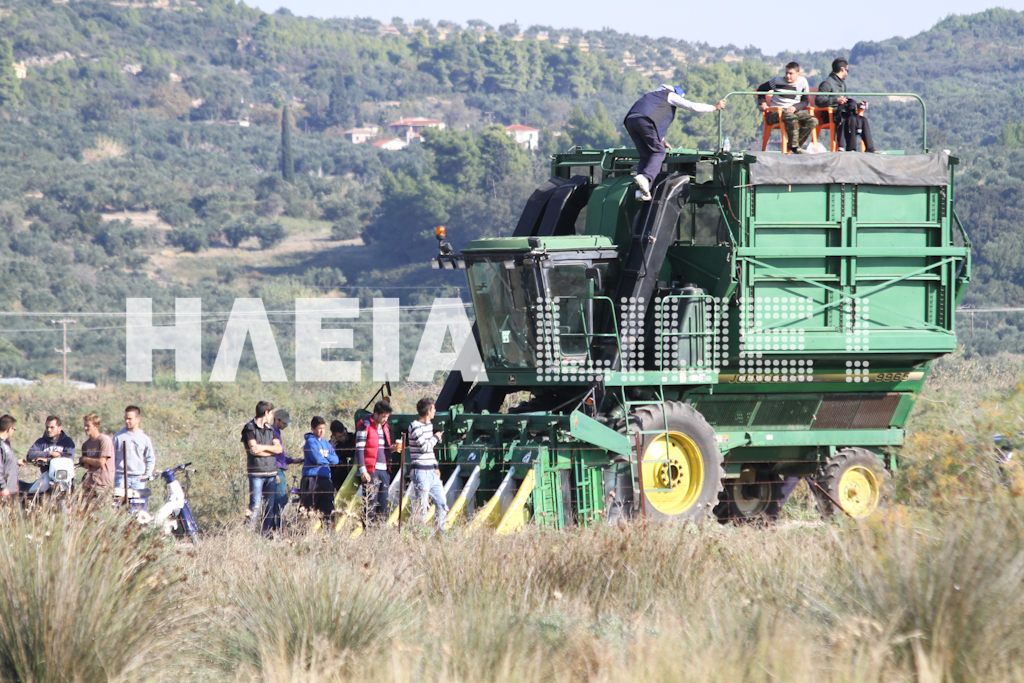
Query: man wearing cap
281, 421
647, 123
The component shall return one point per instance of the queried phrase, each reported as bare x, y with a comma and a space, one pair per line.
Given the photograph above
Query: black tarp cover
856, 168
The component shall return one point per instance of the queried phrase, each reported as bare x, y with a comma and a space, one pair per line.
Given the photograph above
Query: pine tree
287, 161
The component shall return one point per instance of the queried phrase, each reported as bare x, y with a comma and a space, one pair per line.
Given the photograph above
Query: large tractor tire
753, 498
681, 467
856, 479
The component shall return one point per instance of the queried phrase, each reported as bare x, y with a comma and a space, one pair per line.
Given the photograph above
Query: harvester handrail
665, 333
963, 232
890, 95
967, 244
725, 219
588, 333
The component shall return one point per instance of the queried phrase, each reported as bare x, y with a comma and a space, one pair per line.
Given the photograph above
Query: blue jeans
134, 482
277, 501
375, 498
257, 484
427, 484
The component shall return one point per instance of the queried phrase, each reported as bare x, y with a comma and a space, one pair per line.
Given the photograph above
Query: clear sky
740, 22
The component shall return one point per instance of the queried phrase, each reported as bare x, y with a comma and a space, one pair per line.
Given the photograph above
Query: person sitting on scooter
54, 443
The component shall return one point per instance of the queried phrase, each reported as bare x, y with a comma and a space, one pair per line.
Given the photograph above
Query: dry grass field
928, 590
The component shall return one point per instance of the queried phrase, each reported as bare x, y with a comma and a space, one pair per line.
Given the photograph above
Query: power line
989, 310
211, 315
288, 311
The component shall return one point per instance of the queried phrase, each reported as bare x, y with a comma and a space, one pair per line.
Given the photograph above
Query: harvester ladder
586, 499
549, 491
637, 461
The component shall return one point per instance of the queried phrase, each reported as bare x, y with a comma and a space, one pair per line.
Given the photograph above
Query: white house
358, 136
525, 136
391, 144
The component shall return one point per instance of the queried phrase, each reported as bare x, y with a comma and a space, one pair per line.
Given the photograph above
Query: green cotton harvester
765, 316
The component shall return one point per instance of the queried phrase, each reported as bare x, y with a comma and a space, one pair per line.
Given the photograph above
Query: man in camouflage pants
789, 93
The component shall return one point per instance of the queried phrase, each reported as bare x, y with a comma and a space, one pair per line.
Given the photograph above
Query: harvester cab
517, 281
764, 316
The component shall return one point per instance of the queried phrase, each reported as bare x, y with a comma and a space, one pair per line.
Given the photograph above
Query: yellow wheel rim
859, 491
673, 473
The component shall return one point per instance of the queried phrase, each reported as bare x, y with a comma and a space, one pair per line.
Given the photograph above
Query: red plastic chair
769, 127
830, 126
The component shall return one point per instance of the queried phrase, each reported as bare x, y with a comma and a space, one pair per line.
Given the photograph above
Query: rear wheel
855, 479
680, 464
752, 498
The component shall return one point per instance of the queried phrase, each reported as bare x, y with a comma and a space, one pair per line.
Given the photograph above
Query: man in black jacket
53, 443
850, 120
261, 448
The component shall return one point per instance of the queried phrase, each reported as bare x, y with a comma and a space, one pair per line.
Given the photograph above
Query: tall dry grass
298, 618
910, 597
85, 596
913, 596
948, 591
929, 591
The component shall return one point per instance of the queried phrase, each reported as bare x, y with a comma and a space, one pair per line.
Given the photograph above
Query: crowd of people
326, 463
107, 461
128, 458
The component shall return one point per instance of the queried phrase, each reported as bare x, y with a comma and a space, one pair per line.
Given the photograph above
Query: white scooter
57, 478
175, 515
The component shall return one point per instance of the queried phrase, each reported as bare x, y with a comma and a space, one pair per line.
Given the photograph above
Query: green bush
191, 238
270, 235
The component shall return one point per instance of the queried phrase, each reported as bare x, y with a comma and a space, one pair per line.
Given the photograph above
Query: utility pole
65, 350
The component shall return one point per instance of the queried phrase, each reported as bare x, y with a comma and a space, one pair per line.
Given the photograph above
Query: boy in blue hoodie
317, 490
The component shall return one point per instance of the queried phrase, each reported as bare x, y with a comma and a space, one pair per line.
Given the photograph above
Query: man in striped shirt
426, 474
788, 93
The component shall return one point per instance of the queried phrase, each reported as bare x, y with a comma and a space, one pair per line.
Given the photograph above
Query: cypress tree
287, 161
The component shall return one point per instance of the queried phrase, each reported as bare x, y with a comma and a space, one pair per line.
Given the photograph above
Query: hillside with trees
199, 149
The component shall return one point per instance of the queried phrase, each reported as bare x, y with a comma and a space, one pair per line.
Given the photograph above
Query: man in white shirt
647, 123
